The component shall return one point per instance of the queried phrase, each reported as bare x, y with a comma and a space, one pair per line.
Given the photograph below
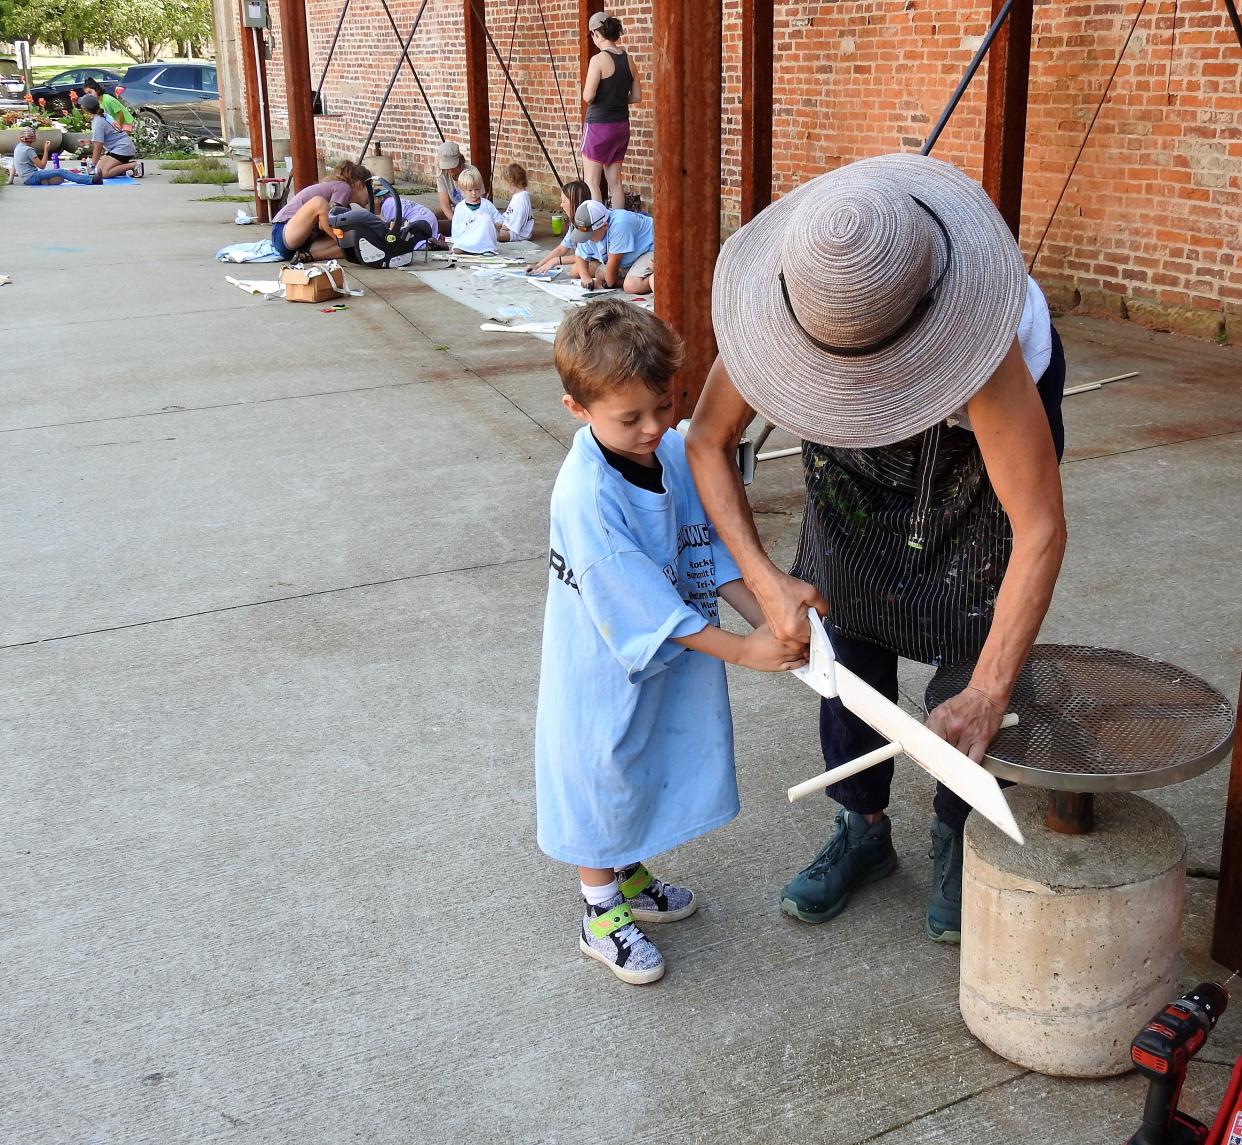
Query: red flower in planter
28, 98
118, 90
73, 95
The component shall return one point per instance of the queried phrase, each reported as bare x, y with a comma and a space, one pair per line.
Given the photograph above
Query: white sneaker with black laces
653, 900
609, 936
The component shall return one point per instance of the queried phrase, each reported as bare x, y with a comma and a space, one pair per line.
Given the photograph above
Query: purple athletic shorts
606, 143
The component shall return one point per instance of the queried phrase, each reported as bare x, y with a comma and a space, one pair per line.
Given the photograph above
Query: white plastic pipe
844, 771
861, 763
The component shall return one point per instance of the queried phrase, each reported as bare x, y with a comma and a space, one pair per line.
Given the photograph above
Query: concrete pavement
273, 586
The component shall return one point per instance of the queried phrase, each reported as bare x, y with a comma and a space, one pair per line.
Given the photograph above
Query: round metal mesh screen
1094, 719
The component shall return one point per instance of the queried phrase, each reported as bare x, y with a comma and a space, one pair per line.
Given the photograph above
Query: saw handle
861, 763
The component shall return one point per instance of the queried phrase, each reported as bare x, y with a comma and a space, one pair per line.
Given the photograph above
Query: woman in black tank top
611, 86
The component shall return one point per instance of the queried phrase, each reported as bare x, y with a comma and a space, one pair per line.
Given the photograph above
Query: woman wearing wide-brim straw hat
883, 314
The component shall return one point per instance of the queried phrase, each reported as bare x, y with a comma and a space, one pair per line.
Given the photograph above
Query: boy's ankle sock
598, 896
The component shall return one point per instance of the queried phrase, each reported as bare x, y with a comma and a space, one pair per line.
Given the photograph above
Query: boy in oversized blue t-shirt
634, 739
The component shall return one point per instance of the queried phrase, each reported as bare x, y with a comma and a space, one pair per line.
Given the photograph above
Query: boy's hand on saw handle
763, 652
969, 721
785, 600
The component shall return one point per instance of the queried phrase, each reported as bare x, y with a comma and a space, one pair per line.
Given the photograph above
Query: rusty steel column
1227, 933
299, 93
478, 109
254, 66
687, 81
586, 49
756, 157
1004, 132
1070, 812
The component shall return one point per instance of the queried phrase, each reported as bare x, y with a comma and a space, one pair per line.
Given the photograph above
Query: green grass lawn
42, 68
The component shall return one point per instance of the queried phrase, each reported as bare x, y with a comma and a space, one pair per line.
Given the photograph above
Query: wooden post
1004, 132
299, 93
254, 65
687, 80
478, 108
586, 49
1227, 934
756, 157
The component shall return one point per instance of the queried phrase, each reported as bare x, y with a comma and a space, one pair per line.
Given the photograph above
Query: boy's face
629, 420
474, 195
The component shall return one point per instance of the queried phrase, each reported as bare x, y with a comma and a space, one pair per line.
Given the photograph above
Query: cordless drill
1162, 1052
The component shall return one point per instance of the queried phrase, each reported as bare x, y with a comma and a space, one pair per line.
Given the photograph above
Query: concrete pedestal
381, 165
1070, 943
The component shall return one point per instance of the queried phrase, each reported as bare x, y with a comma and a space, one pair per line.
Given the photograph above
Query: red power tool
1162, 1052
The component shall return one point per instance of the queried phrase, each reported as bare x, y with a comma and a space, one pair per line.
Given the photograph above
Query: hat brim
578, 235
923, 376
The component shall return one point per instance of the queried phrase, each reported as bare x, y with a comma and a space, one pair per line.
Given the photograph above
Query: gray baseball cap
588, 218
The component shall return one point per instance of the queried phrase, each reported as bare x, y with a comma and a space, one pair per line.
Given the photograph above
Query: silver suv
179, 93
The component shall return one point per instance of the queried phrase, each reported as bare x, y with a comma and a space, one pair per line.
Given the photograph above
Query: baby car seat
369, 240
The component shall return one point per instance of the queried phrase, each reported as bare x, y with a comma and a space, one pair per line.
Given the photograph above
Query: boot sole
664, 916
948, 937
633, 977
791, 908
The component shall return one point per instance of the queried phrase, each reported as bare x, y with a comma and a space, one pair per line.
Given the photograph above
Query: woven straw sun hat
870, 303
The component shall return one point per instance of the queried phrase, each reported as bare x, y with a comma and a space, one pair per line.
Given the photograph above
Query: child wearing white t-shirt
633, 736
475, 218
518, 219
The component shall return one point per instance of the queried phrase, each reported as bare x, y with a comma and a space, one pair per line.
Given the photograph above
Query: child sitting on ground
518, 219
634, 739
475, 218
413, 212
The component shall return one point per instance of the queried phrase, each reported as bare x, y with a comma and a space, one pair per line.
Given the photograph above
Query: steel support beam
254, 66
586, 49
1227, 934
1004, 132
756, 157
687, 69
478, 108
299, 93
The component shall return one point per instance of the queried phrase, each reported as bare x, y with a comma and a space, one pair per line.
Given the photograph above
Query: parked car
179, 93
56, 90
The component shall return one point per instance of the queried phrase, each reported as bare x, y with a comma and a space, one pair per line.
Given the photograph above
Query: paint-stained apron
908, 543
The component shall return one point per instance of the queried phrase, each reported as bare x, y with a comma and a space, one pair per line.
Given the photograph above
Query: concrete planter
9, 138
74, 139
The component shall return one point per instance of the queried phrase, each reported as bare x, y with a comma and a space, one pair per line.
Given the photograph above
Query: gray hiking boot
943, 921
858, 853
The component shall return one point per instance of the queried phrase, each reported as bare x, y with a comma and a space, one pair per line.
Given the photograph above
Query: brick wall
1148, 228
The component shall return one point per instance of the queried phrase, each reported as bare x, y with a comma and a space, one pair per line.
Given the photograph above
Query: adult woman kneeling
301, 229
112, 151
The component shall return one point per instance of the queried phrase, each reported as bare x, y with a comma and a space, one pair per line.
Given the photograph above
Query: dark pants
843, 736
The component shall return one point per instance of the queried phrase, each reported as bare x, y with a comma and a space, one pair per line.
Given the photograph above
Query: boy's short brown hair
515, 175
608, 344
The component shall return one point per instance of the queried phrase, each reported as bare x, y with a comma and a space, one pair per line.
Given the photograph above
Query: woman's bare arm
591, 84
636, 91
1012, 430
711, 446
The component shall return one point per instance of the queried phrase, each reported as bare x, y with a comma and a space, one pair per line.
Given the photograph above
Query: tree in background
139, 28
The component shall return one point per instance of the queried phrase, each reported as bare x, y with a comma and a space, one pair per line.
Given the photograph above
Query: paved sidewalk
273, 589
